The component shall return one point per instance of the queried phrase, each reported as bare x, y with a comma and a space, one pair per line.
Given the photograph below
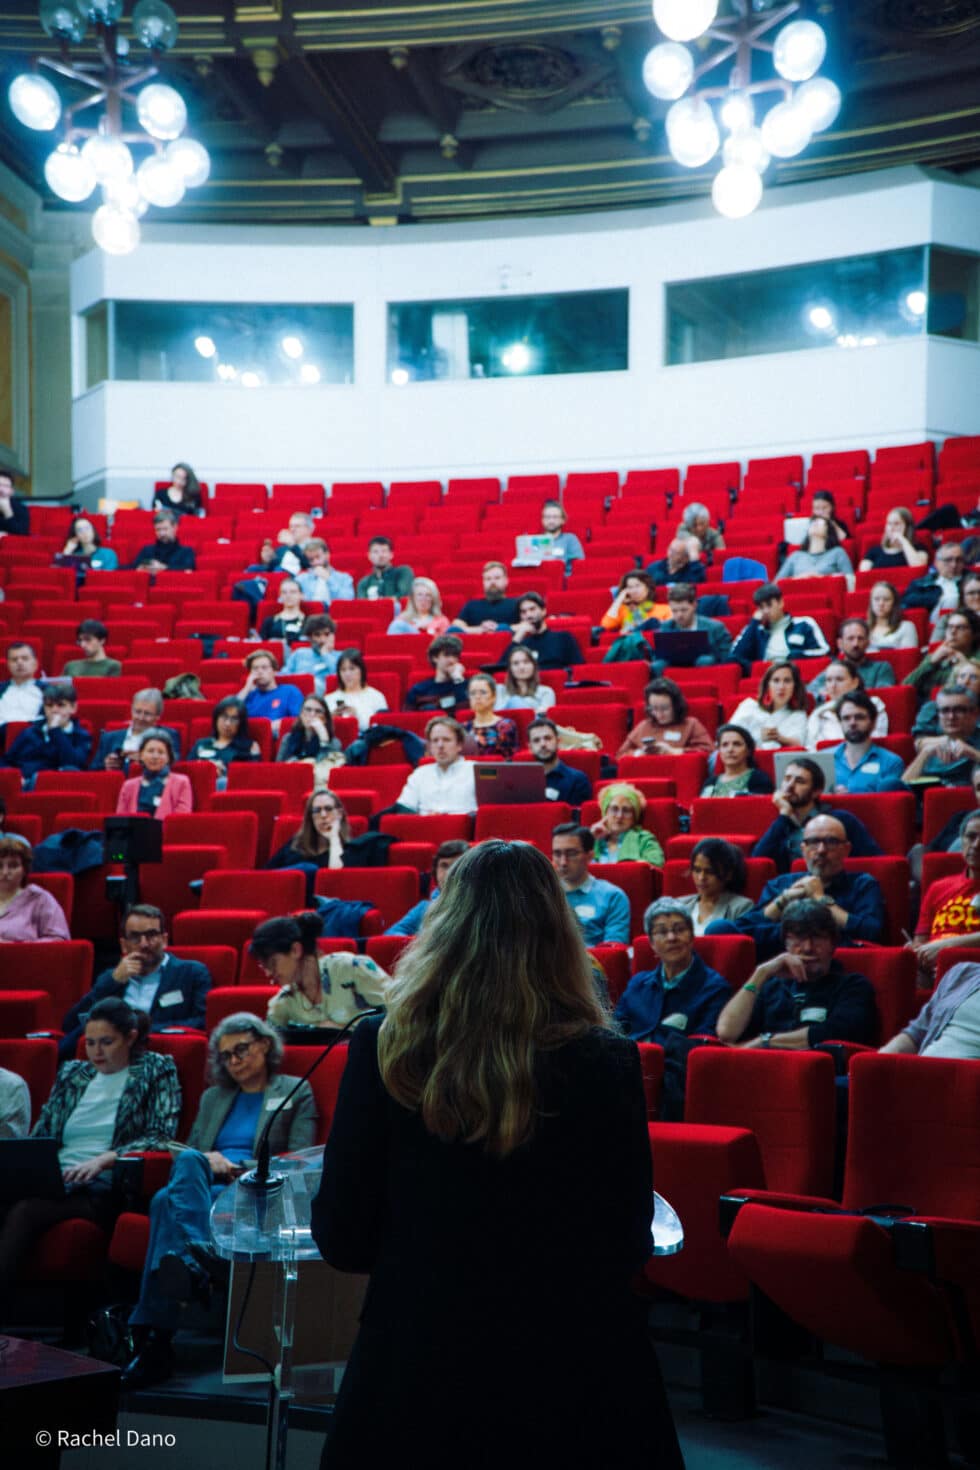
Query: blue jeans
178, 1214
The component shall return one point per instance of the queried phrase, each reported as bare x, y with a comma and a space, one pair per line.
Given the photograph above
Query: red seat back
282, 891
60, 967
36, 1060
392, 890
235, 832
532, 821
325, 1081
220, 961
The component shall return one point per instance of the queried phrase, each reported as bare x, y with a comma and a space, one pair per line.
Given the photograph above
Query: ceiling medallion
932, 17
523, 71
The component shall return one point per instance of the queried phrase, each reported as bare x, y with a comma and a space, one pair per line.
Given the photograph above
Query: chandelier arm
776, 84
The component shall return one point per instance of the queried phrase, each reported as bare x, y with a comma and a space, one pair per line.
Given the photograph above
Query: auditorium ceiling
366, 111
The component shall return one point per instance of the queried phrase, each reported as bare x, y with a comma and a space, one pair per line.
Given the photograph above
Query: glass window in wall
954, 298
248, 344
857, 301
509, 336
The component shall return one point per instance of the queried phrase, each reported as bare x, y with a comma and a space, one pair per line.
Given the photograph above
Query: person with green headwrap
620, 835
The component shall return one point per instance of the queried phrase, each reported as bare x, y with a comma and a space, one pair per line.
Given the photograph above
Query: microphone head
257, 1184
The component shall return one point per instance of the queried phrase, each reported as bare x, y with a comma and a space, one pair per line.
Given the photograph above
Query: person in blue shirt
446, 854
322, 657
561, 782
264, 698
602, 909
322, 582
859, 766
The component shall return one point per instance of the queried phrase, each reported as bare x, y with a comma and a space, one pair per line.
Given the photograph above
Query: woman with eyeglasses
120, 1097
620, 836
323, 840
718, 873
311, 737
244, 1061
323, 990
229, 739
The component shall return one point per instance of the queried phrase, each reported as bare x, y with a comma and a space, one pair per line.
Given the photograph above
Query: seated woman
522, 688
122, 1097
619, 833
718, 874
182, 495
229, 739
821, 555
288, 622
885, 622
732, 770
696, 524
777, 716
422, 612
487, 733
897, 546
824, 504
354, 695
311, 738
840, 677
668, 728
83, 540
634, 604
960, 644
27, 912
159, 791
323, 840
317, 989
244, 1058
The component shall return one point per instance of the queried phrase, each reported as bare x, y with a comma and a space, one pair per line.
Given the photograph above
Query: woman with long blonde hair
488, 1164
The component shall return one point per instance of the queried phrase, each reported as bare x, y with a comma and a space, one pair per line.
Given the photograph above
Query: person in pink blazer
158, 792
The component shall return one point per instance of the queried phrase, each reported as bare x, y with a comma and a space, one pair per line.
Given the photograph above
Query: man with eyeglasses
939, 590
803, 995
173, 992
602, 909
949, 758
950, 913
854, 899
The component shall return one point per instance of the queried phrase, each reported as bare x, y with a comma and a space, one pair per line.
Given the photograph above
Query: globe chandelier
95, 151
704, 121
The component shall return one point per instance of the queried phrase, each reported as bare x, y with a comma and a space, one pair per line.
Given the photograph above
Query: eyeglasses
823, 841
953, 709
238, 1053
673, 932
144, 934
324, 811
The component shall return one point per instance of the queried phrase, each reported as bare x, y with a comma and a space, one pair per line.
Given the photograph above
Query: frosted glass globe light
125, 195
786, 130
154, 25
668, 71
917, 301
292, 346
799, 50
736, 190
34, 102
63, 19
205, 346
161, 111
684, 20
309, 373
106, 12
748, 148
115, 231
192, 159
69, 175
160, 182
692, 133
820, 99
110, 159
737, 112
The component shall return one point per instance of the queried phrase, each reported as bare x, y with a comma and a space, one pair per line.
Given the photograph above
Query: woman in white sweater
777, 716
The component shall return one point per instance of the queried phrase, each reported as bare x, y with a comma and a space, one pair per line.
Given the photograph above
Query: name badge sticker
586, 910
813, 1014
271, 1103
172, 998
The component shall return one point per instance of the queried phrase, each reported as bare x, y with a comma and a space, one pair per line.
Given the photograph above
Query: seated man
20, 692
91, 637
685, 618
796, 801
165, 554
264, 697
853, 639
950, 914
602, 909
446, 854
494, 612
447, 786
550, 649
385, 579
564, 545
948, 1025
682, 995
803, 995
322, 582
117, 746
859, 766
14, 514
949, 759
561, 782
854, 899
55, 742
173, 992
289, 554
448, 688
681, 564
939, 590
322, 658
771, 633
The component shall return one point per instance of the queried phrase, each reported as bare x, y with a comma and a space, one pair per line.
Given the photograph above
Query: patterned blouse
499, 739
149, 1109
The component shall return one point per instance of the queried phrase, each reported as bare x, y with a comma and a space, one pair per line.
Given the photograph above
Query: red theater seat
325, 1081
61, 967
220, 961
391, 890
225, 1000
231, 927
167, 884
639, 881
532, 821
235, 832
36, 1060
282, 891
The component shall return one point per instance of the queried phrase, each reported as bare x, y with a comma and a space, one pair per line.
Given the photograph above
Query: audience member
311, 737
289, 553
897, 546
15, 1105
970, 591
91, 637
84, 542
563, 544
777, 716
949, 757
182, 495
522, 688
486, 732
840, 677
887, 628
229, 739
668, 728
853, 638
824, 504
771, 633
289, 621
56, 741
681, 564
797, 801
696, 525
354, 696
732, 770
685, 618
821, 555
620, 836
950, 914
385, 580
602, 909
859, 766
447, 786
422, 612
265, 698
960, 633
939, 590
494, 612
634, 605
165, 554
447, 689
322, 582
803, 996
948, 1025
446, 854
682, 997
325, 990
719, 877
552, 649
27, 912
322, 657
324, 840
116, 745
159, 792
15, 517
562, 782
966, 677
171, 991
21, 693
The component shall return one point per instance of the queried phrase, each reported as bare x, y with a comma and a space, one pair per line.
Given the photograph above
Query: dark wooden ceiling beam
318, 84
249, 99
437, 105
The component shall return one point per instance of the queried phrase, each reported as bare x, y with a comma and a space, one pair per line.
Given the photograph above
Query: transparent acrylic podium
247, 1226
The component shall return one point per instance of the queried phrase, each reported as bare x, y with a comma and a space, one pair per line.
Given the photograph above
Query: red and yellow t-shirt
948, 909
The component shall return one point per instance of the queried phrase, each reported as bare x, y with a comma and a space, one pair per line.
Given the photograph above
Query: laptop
29, 1169
504, 783
682, 646
531, 551
823, 758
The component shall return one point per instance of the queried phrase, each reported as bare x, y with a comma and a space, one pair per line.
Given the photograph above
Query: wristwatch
765, 1039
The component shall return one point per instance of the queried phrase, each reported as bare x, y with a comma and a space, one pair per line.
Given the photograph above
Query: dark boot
154, 1360
217, 1267
183, 1280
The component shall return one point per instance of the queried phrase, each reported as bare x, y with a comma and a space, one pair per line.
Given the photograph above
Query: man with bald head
679, 565
854, 899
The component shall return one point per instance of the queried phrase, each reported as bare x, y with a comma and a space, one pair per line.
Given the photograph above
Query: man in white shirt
20, 693
447, 787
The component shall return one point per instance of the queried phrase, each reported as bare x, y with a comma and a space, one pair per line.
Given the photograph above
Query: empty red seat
282, 891
167, 884
36, 1060
235, 832
391, 890
532, 822
220, 961
325, 1081
225, 1000
232, 927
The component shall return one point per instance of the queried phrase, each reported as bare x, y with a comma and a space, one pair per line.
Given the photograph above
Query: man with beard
859, 766
494, 612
